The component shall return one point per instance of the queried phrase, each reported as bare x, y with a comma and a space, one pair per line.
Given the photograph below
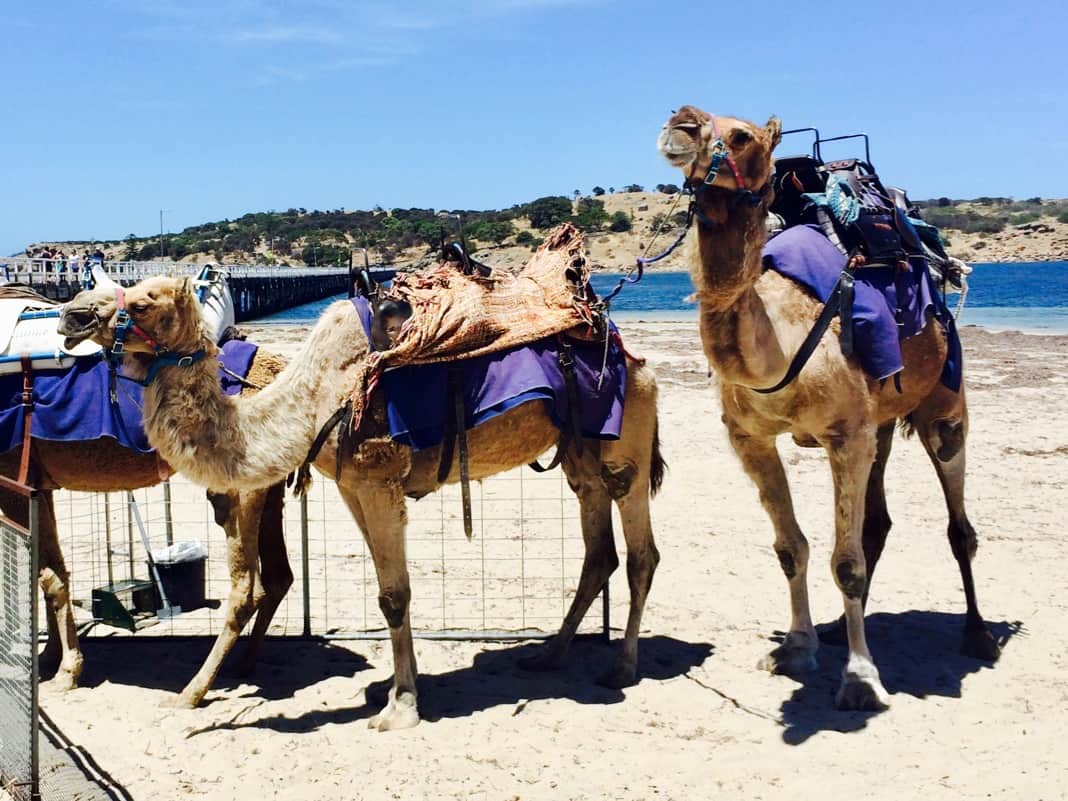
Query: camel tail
658, 466
906, 426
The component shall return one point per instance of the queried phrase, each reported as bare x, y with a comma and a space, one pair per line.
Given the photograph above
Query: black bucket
183, 582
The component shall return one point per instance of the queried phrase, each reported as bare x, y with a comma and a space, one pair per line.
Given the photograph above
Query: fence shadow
917, 653
494, 678
283, 667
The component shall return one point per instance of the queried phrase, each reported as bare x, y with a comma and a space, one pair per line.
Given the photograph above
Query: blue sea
1030, 297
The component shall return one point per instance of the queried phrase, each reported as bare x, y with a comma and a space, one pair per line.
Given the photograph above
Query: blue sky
114, 110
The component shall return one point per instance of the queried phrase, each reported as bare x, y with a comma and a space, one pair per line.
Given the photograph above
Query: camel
252, 521
752, 323
249, 443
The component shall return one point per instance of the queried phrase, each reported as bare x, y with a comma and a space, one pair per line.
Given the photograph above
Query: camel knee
54, 585
950, 435
618, 480
962, 539
850, 576
278, 584
641, 565
394, 605
787, 562
221, 504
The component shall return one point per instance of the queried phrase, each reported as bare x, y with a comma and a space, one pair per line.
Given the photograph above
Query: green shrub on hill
620, 222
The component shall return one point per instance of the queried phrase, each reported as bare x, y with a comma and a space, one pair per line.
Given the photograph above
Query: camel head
729, 156
164, 312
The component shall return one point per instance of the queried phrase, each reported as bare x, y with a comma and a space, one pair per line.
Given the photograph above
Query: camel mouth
677, 145
77, 325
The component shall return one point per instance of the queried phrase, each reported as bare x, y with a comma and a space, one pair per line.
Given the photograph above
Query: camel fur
752, 323
252, 521
247, 443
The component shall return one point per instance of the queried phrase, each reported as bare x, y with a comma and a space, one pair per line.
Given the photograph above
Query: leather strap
27, 418
845, 308
453, 438
572, 431
461, 438
830, 310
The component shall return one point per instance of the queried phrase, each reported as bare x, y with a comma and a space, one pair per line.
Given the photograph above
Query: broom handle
165, 604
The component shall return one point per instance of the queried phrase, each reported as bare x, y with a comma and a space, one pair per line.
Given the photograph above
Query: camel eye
139, 307
739, 137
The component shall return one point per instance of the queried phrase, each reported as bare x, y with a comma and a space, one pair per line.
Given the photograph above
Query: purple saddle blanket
889, 304
416, 395
74, 404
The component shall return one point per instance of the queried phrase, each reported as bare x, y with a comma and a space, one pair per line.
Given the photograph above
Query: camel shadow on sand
283, 667
493, 679
917, 653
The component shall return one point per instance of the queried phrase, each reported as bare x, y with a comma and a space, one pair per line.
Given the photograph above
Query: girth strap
830, 309
27, 418
845, 307
455, 432
572, 431
303, 474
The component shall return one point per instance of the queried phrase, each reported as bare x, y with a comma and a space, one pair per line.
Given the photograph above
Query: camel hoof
65, 680
180, 701
789, 660
395, 716
862, 695
979, 643
619, 677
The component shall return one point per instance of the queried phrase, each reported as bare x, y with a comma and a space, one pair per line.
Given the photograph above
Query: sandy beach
702, 722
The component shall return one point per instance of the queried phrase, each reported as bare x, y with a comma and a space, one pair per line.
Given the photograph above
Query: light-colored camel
248, 443
252, 521
752, 323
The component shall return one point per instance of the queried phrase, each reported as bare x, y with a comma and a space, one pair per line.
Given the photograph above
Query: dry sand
702, 722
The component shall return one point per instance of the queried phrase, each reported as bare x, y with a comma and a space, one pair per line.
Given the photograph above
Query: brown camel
241, 445
103, 465
752, 323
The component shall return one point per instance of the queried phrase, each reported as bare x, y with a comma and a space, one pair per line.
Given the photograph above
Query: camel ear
185, 287
774, 131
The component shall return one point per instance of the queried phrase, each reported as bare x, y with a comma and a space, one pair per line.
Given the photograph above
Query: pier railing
258, 289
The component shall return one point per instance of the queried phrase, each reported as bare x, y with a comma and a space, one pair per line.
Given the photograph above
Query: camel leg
240, 518
380, 511
599, 562
761, 462
275, 573
941, 422
642, 559
877, 525
851, 456
61, 651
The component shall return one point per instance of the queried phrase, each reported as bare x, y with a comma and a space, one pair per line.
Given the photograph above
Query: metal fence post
168, 519
35, 758
606, 615
305, 570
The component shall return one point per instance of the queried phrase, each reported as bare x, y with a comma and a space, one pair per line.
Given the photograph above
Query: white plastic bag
182, 551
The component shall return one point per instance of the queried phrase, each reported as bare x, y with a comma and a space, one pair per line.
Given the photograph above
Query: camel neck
738, 336
234, 443
729, 260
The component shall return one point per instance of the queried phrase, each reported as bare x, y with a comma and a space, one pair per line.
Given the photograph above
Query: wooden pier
258, 290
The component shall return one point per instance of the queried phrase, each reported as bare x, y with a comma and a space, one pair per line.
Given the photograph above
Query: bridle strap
729, 159
124, 325
128, 325
743, 194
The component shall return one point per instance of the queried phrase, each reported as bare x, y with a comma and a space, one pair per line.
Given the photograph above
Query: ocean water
1030, 297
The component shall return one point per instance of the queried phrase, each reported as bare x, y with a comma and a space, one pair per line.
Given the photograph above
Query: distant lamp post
161, 211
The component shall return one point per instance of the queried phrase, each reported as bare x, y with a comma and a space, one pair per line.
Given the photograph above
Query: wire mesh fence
18, 663
515, 577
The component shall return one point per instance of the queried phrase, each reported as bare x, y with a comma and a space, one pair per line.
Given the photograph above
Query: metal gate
514, 578
19, 769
